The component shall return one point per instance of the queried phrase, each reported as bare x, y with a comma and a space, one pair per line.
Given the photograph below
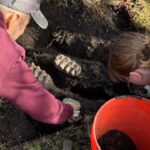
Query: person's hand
65, 64
76, 106
74, 103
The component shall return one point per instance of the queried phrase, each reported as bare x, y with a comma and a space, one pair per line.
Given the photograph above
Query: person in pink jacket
17, 83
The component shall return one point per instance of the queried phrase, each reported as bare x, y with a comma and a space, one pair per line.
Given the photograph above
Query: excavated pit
84, 33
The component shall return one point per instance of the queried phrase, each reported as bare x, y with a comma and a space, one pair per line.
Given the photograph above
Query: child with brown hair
129, 59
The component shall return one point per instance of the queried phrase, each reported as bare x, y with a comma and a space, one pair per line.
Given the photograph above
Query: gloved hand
67, 65
76, 106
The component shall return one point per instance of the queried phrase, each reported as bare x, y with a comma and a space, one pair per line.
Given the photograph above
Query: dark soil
116, 140
85, 34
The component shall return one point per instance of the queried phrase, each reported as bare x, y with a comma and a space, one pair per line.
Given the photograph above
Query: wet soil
83, 33
116, 140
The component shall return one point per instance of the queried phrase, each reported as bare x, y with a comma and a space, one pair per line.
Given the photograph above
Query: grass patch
140, 13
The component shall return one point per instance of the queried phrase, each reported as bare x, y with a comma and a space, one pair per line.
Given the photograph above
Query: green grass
141, 14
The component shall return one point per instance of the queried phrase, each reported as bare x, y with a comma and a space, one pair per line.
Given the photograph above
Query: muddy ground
84, 32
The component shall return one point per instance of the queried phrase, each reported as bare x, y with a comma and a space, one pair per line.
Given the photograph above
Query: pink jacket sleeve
20, 87
26, 93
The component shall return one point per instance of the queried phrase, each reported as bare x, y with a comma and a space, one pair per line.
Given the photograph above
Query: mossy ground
79, 136
140, 13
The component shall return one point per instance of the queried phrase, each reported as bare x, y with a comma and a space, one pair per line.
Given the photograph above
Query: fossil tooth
68, 67
65, 64
73, 72
42, 76
78, 70
58, 59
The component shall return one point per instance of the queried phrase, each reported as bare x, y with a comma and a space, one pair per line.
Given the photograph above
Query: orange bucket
128, 114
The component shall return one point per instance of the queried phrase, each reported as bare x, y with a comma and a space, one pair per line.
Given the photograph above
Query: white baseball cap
31, 7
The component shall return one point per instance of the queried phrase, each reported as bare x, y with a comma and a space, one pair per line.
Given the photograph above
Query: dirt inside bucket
116, 140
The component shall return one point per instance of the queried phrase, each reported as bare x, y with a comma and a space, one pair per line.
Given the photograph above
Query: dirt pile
116, 140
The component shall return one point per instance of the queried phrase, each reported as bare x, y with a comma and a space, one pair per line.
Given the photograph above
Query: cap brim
40, 19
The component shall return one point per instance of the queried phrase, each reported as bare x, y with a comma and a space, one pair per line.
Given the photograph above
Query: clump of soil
116, 140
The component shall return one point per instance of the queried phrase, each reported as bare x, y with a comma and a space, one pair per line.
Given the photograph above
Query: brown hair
128, 52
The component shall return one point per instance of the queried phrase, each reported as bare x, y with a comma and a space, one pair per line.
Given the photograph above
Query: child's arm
25, 92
